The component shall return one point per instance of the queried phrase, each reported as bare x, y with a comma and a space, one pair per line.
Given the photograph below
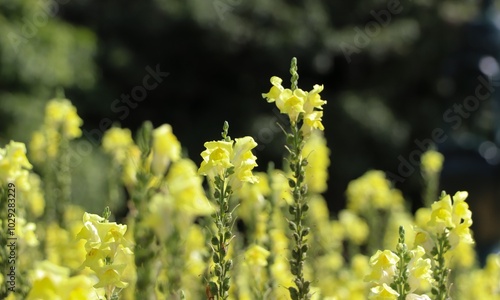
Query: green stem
441, 273
222, 239
298, 209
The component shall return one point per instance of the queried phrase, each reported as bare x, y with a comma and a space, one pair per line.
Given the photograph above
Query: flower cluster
61, 123
107, 251
51, 281
14, 165
410, 270
298, 103
220, 156
449, 214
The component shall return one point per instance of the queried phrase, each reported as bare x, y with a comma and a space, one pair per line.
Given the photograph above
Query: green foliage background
220, 55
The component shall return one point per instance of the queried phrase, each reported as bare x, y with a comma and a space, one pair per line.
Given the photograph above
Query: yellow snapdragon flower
383, 264
419, 270
14, 165
61, 115
222, 155
294, 103
451, 213
107, 250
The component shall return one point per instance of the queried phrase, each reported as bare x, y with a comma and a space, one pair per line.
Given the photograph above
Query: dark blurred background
391, 70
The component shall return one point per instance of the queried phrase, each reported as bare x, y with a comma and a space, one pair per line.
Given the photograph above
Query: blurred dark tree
381, 62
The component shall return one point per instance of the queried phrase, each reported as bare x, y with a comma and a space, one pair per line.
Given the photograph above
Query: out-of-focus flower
117, 141
256, 255
317, 154
432, 161
185, 186
166, 149
355, 228
14, 165
61, 115
372, 190
50, 281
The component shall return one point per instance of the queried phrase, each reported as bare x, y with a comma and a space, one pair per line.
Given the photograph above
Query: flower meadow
222, 230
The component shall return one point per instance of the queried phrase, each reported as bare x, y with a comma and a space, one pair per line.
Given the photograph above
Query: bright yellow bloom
317, 154
166, 149
222, 155
294, 103
383, 265
291, 103
256, 255
107, 250
454, 216
420, 272
110, 275
61, 115
432, 161
116, 141
216, 158
383, 292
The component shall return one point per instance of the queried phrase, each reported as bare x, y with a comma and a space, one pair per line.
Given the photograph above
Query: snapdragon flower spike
107, 251
221, 156
227, 164
298, 104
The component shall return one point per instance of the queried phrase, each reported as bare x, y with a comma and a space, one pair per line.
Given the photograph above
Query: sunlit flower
219, 156
383, 264
107, 250
419, 269
296, 102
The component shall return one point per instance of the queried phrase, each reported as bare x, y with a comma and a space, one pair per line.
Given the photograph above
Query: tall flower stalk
304, 110
227, 164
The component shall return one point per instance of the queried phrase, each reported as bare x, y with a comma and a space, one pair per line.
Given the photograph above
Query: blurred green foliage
220, 55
